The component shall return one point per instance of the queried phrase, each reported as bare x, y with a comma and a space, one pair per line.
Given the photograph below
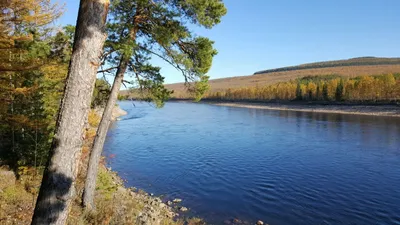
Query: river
281, 167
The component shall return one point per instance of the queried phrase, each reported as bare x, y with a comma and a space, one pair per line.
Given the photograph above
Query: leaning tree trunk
57, 189
95, 154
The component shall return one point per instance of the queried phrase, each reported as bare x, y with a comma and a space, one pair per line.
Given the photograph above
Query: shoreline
116, 202
368, 110
118, 112
153, 209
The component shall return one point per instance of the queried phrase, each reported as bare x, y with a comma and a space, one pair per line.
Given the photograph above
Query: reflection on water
282, 167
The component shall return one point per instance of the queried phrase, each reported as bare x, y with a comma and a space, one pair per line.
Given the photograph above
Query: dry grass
93, 118
17, 199
360, 61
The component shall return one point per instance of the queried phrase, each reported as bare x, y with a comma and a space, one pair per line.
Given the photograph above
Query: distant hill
360, 61
346, 68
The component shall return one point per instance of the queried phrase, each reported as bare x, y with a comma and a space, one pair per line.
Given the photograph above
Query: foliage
122, 97
200, 88
139, 30
32, 73
105, 184
101, 93
316, 79
152, 88
382, 88
22, 21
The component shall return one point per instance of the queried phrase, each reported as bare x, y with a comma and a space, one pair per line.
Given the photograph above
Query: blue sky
263, 34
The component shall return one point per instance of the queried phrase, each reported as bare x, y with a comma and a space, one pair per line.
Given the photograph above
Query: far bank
371, 110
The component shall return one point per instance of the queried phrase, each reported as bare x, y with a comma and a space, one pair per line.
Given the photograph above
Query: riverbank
371, 110
116, 113
115, 203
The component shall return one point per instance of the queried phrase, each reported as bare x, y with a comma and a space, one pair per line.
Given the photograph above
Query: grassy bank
115, 204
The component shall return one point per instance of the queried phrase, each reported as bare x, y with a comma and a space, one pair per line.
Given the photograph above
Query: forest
328, 88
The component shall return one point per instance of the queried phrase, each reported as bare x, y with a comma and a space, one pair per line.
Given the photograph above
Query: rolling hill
361, 61
346, 68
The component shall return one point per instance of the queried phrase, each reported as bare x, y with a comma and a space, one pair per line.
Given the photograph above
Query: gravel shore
372, 110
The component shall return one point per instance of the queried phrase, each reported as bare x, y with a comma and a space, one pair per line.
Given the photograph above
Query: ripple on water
280, 167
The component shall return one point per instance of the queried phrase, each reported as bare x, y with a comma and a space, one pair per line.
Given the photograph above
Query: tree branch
175, 65
107, 70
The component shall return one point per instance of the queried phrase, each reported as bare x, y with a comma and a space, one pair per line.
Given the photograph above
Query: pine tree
299, 92
325, 95
339, 91
140, 29
318, 93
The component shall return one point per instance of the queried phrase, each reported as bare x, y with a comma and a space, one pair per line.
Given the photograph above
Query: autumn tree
57, 189
389, 83
383, 88
311, 90
141, 29
26, 51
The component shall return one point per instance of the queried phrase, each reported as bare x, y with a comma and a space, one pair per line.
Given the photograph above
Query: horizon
290, 33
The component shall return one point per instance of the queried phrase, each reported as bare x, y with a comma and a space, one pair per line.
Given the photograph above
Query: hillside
360, 61
346, 68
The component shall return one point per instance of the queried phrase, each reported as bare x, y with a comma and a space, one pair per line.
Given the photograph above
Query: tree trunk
57, 189
12, 115
95, 154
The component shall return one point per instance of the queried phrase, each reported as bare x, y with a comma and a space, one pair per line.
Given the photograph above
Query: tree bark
95, 154
57, 189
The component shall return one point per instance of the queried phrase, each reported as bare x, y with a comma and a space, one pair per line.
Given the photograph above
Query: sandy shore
118, 112
381, 110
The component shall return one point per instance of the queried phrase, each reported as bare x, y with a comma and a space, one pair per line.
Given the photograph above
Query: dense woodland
330, 88
33, 69
33, 66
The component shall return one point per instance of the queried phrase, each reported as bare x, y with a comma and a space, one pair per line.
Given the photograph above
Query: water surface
281, 167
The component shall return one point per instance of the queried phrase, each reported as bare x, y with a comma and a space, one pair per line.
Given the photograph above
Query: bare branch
123, 83
107, 70
128, 82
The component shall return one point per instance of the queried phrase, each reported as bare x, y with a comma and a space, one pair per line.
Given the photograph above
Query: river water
281, 167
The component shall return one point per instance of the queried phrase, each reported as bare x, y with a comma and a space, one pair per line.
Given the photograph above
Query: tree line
330, 88
48, 79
